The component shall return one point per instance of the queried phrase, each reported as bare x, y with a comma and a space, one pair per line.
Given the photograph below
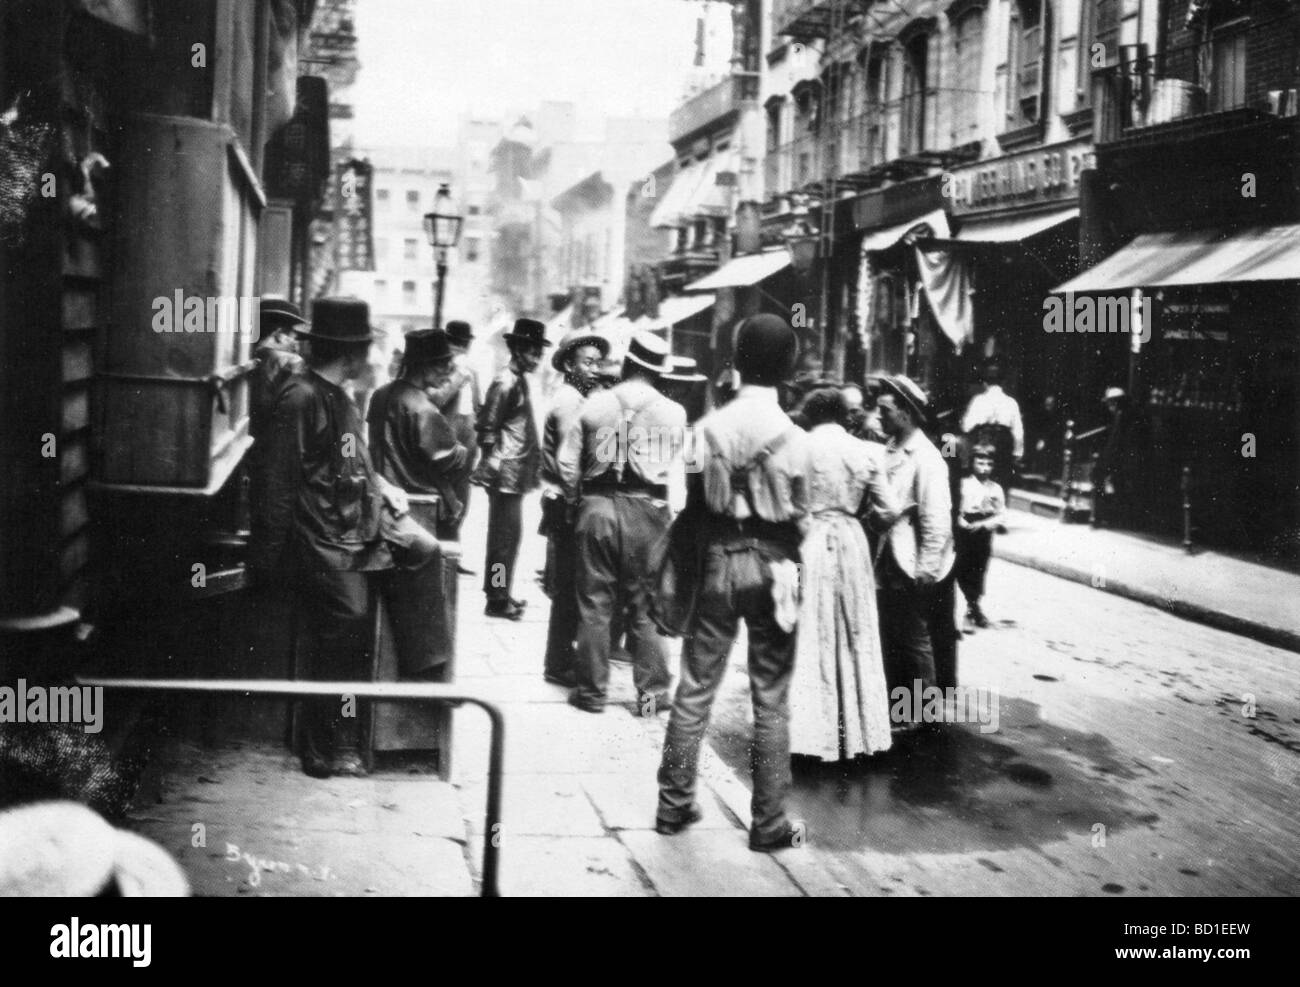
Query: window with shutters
1228, 67
1098, 42
968, 44
873, 129
1025, 63
915, 57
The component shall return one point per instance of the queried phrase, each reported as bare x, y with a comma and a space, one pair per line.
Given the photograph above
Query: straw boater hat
683, 371
1113, 394
572, 340
909, 392
529, 331
341, 320
649, 351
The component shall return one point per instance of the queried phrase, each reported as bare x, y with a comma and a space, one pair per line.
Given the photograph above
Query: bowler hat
765, 347
909, 392
341, 320
529, 331
278, 313
649, 351
427, 346
683, 371
572, 340
459, 332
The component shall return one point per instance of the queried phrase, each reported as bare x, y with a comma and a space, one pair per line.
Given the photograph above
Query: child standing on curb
983, 509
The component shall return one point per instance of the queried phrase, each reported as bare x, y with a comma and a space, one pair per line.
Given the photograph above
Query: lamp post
442, 227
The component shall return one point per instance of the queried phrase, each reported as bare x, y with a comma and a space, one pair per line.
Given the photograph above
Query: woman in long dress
839, 705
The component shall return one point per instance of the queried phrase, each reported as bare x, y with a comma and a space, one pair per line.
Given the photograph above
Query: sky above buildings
426, 63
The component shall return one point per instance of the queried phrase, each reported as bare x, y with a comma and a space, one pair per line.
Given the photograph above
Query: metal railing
398, 692
1215, 75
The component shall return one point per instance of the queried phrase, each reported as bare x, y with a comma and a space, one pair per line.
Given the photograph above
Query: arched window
968, 35
1025, 63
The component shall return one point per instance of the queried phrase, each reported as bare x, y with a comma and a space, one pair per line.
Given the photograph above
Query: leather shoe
564, 680
577, 703
315, 766
507, 611
671, 827
652, 704
783, 839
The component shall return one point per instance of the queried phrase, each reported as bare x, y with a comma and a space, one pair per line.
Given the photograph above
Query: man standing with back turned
753, 488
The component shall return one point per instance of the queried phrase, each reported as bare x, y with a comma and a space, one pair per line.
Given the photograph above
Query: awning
674, 206
1009, 229
677, 309
1213, 256
710, 198
932, 224
740, 272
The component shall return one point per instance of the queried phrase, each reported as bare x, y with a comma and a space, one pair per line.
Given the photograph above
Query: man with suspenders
753, 488
615, 462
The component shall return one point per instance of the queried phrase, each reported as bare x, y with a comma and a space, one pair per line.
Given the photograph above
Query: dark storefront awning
741, 272
1214, 256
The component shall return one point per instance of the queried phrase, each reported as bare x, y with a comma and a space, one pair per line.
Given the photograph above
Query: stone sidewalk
1231, 594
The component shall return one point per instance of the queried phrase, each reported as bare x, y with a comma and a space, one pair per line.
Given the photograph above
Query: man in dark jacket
325, 505
414, 447
512, 458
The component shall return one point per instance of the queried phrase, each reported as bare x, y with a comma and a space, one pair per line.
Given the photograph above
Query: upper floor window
774, 107
408, 249
916, 55
968, 48
1228, 67
471, 249
1098, 42
408, 293
413, 200
876, 88
1025, 63
382, 199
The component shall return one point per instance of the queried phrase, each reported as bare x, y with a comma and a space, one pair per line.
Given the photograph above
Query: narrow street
1122, 764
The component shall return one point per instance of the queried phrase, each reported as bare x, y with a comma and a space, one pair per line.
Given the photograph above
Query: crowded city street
652, 448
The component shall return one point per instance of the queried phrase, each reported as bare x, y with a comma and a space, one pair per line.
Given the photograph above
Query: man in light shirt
918, 622
993, 417
615, 464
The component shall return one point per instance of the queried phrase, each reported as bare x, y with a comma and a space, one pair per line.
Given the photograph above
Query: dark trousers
563, 627
614, 538
918, 630
737, 584
421, 614
974, 548
505, 527
335, 623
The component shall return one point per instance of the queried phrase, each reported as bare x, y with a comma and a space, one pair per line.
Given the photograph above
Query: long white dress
839, 705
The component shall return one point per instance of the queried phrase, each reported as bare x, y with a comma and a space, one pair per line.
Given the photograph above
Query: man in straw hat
324, 510
512, 457
616, 464
751, 492
918, 622
578, 357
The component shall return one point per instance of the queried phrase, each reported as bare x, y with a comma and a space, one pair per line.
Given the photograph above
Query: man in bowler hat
325, 507
751, 490
512, 457
414, 447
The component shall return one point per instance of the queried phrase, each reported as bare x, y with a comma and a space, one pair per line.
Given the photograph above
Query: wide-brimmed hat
649, 351
529, 331
684, 371
427, 346
341, 320
274, 314
908, 391
572, 340
459, 332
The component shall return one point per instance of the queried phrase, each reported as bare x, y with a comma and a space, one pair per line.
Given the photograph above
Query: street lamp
442, 227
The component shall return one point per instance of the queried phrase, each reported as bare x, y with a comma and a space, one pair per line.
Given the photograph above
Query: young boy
983, 505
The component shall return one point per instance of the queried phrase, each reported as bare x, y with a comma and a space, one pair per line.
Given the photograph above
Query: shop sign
1030, 178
